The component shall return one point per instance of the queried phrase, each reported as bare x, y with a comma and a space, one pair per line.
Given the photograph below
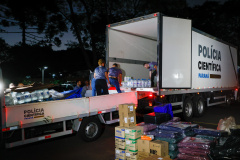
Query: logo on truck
33, 113
214, 55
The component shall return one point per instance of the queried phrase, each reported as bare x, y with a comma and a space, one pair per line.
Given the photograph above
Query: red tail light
5, 129
155, 15
49, 136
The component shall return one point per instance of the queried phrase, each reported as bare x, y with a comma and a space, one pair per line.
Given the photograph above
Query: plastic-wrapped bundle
211, 138
211, 132
153, 132
188, 133
172, 147
222, 140
173, 154
185, 129
235, 132
177, 126
190, 157
169, 140
175, 119
230, 148
198, 143
168, 134
194, 152
147, 127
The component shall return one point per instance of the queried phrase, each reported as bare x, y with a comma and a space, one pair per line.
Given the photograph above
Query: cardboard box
127, 109
120, 132
142, 155
120, 143
127, 115
131, 155
159, 148
133, 133
120, 154
127, 121
131, 144
156, 157
143, 145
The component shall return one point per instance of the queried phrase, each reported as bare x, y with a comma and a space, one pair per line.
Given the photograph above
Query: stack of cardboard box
128, 142
127, 134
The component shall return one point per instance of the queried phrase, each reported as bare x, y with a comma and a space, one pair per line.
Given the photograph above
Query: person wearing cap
100, 74
152, 66
115, 77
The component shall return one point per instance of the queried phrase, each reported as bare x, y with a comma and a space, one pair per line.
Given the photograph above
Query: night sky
13, 38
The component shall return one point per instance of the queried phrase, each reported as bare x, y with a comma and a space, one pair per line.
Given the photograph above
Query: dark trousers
154, 73
100, 85
115, 82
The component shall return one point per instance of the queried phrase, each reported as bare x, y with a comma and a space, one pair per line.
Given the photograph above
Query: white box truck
195, 69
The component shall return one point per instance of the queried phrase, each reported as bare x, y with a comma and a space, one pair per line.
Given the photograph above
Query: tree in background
4, 55
38, 16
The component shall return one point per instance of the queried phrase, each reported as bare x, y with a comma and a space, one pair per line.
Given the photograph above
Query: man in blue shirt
152, 66
78, 86
100, 74
115, 77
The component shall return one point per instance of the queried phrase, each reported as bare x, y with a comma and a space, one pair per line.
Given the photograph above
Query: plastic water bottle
14, 96
45, 94
20, 98
149, 83
145, 83
131, 83
139, 83
128, 83
134, 83
125, 79
39, 95
142, 83
34, 96
27, 97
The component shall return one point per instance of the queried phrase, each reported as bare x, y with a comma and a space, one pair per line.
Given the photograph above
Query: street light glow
45, 67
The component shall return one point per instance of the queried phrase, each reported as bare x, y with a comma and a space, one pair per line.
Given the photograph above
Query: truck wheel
199, 106
90, 129
188, 109
228, 101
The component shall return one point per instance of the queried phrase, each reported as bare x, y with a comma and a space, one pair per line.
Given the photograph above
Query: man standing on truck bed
100, 74
115, 77
152, 66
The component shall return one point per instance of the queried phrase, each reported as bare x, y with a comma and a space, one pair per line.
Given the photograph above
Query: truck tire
228, 101
90, 129
188, 109
199, 106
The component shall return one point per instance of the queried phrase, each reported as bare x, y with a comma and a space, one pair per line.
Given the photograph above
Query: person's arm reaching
150, 73
106, 75
155, 67
120, 79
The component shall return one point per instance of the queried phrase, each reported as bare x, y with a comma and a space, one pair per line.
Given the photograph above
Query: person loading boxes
152, 66
115, 77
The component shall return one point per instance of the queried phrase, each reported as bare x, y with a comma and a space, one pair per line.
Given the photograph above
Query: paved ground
73, 148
